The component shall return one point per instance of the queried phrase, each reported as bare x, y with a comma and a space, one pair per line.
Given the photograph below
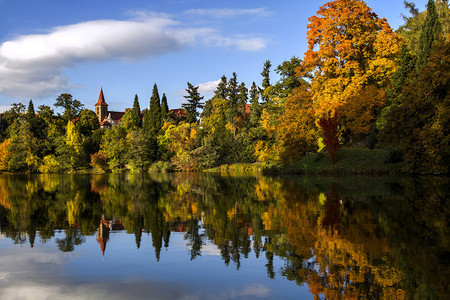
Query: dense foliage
360, 84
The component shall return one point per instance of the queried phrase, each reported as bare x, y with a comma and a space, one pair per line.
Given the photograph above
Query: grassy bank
349, 161
240, 167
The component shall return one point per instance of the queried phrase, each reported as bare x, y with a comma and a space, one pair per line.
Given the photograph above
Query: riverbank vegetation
359, 85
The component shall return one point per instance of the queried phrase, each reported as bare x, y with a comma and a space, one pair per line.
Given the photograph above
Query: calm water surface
210, 236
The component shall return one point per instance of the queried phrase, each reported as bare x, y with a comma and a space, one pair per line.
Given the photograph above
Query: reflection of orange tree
349, 257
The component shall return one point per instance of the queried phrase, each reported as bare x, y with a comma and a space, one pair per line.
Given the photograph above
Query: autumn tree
349, 48
193, 103
5, 154
74, 145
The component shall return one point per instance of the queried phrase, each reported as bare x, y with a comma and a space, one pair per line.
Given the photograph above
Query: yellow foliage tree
4, 154
349, 48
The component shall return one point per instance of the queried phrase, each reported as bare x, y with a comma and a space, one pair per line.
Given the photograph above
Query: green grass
239, 167
349, 161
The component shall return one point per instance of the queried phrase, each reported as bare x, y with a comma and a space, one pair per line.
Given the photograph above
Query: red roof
116, 117
178, 112
101, 99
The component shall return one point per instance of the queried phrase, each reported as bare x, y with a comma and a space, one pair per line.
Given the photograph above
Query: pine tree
255, 112
243, 95
266, 79
221, 90
152, 118
431, 30
193, 103
30, 111
164, 108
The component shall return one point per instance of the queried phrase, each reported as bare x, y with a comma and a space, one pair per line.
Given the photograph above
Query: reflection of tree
195, 238
73, 238
344, 244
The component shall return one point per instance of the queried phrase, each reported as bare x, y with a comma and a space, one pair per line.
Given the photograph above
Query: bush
161, 166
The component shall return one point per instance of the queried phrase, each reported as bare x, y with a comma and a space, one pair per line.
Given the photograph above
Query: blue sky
49, 47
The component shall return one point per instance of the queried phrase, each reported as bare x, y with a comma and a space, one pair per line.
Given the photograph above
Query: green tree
431, 31
140, 152
72, 107
288, 77
24, 147
193, 103
255, 111
418, 123
87, 122
132, 118
74, 144
30, 110
16, 111
164, 108
152, 118
115, 146
221, 90
46, 113
266, 79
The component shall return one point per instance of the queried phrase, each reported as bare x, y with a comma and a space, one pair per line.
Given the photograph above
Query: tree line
359, 84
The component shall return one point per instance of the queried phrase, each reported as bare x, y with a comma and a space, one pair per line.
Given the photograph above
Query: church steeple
101, 107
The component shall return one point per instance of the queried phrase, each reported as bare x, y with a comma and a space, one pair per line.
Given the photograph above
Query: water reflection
352, 237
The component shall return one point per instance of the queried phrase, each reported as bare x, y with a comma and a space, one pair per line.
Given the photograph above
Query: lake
222, 236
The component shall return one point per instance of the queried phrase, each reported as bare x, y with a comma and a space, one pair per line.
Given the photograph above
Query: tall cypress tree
152, 119
136, 112
164, 108
30, 110
193, 103
431, 30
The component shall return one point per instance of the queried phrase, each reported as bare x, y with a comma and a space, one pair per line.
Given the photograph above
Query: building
106, 118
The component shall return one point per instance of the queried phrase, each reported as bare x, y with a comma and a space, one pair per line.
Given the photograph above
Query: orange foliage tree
349, 48
291, 131
5, 155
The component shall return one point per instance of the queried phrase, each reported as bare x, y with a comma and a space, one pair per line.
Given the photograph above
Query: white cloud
4, 108
228, 12
208, 88
33, 65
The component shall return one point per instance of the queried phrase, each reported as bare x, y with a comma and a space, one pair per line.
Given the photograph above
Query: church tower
101, 108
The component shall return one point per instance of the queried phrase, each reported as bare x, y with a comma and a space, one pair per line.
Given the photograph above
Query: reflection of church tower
103, 234
101, 107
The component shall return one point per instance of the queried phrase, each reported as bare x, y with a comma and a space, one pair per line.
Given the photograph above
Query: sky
49, 47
